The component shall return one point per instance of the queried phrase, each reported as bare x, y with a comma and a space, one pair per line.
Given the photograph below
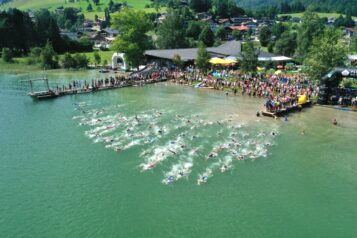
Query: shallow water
56, 181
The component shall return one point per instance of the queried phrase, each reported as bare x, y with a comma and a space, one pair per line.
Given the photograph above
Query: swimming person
334, 122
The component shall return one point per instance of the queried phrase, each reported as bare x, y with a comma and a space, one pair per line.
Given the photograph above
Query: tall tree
200, 5
49, 58
310, 28
325, 53
172, 33
249, 58
202, 61
133, 39
97, 58
207, 36
286, 44
265, 36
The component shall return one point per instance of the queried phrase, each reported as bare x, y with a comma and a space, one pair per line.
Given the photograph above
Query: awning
280, 58
216, 60
352, 57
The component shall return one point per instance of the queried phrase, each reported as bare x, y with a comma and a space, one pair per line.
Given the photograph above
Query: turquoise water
57, 182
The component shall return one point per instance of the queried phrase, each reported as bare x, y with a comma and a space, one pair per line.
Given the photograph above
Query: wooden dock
285, 111
51, 93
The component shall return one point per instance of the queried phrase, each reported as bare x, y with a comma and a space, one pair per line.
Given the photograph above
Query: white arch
120, 56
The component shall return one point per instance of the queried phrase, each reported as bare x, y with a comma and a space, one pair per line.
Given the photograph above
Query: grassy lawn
321, 14
104, 55
17, 67
82, 4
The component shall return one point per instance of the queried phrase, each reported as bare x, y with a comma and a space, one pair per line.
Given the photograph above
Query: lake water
61, 176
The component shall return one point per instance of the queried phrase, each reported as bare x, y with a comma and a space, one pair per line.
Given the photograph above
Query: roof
226, 49
351, 29
230, 49
224, 20
241, 28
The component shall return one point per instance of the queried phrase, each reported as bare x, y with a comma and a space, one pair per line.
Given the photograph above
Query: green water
56, 182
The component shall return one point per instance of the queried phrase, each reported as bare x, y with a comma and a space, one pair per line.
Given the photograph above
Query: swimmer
285, 118
302, 132
172, 151
258, 114
334, 122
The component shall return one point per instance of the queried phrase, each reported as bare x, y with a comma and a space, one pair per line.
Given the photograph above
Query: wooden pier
51, 93
286, 110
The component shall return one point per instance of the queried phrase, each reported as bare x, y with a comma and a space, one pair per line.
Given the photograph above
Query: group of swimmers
188, 141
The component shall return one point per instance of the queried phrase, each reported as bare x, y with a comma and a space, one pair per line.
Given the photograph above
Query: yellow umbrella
259, 68
278, 72
216, 60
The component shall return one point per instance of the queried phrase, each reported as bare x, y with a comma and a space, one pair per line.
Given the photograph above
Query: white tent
352, 57
280, 58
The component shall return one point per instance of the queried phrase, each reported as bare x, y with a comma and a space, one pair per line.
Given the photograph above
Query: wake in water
178, 143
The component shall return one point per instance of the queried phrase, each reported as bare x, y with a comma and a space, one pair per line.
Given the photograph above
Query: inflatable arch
332, 80
118, 61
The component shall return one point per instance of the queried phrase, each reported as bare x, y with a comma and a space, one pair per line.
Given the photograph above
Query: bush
49, 58
81, 61
347, 83
6, 55
68, 62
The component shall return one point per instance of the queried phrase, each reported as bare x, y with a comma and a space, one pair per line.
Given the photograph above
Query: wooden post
48, 87
31, 86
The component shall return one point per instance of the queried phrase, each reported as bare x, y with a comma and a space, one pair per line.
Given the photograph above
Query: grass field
104, 55
321, 14
82, 4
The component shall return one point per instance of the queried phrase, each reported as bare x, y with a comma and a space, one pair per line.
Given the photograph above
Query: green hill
53, 4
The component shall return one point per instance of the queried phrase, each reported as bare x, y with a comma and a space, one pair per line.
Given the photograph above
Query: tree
49, 59
202, 61
264, 36
89, 7
325, 53
194, 29
286, 44
177, 61
200, 5
81, 61
340, 21
67, 61
354, 43
132, 40
249, 58
349, 22
310, 28
97, 58
226, 8
171, 33
221, 33
96, 2
237, 34
6, 55
207, 36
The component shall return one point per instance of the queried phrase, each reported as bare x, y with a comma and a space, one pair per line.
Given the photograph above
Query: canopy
278, 72
216, 60
280, 67
231, 59
280, 58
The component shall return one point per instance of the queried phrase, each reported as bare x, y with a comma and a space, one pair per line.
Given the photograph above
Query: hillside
340, 6
53, 4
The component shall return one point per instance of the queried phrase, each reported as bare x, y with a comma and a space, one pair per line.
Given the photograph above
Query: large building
231, 49
228, 49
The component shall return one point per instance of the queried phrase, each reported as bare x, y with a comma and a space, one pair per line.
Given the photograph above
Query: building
228, 49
